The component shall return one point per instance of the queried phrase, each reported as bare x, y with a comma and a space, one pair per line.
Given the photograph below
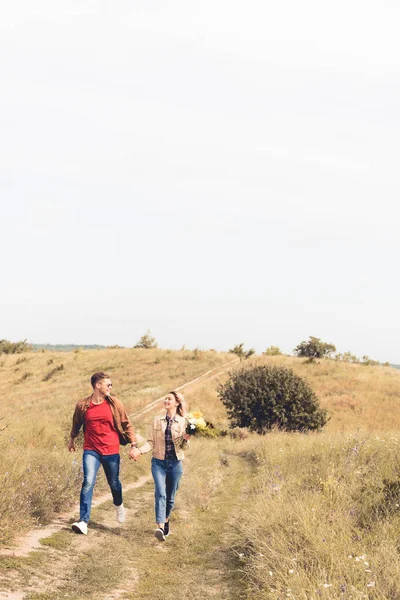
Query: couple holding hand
106, 425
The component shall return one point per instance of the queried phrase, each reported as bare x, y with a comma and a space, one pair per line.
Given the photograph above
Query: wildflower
271, 574
371, 584
195, 424
327, 585
368, 570
291, 571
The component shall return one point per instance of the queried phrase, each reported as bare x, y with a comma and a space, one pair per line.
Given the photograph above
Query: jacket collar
174, 419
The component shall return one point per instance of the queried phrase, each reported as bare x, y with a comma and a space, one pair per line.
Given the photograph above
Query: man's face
104, 386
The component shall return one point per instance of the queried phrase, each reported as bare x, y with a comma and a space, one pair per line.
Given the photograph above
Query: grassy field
38, 477
276, 516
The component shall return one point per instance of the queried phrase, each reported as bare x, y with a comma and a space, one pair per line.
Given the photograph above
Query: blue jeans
166, 475
91, 464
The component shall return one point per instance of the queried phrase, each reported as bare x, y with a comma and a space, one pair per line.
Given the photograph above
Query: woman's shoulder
180, 419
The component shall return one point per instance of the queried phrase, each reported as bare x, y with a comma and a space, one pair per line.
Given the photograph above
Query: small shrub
20, 360
239, 433
146, 341
53, 372
50, 361
267, 396
24, 377
241, 353
347, 357
7, 347
197, 354
366, 360
273, 351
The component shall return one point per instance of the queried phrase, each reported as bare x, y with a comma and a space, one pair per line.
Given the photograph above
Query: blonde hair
181, 408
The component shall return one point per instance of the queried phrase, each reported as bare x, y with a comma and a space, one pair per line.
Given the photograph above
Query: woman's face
170, 402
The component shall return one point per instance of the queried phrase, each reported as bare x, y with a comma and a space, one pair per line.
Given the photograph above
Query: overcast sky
217, 172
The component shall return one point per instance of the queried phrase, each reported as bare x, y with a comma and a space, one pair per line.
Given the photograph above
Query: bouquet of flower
195, 423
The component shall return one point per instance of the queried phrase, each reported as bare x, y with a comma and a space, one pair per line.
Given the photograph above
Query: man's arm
76, 425
126, 425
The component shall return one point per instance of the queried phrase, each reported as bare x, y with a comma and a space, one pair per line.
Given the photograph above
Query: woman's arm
149, 445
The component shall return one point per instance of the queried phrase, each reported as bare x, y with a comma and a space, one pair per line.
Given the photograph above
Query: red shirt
100, 433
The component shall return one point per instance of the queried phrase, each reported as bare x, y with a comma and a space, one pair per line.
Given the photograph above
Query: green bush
267, 396
241, 352
7, 347
273, 351
146, 341
314, 348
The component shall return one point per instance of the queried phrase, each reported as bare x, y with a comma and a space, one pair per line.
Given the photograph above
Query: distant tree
366, 360
146, 341
7, 347
347, 357
241, 353
273, 351
266, 396
314, 348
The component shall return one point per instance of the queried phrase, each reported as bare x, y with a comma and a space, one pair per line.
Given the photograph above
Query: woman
167, 440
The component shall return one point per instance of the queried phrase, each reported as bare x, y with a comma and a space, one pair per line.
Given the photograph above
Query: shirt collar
166, 418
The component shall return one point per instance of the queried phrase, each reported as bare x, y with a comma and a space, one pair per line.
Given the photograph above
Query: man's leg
91, 464
174, 474
111, 469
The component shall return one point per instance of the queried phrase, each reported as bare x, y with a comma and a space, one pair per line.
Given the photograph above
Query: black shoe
166, 528
159, 534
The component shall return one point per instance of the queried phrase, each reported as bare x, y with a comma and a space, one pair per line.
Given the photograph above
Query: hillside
275, 516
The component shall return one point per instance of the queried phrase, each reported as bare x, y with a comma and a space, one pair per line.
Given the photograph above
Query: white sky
217, 172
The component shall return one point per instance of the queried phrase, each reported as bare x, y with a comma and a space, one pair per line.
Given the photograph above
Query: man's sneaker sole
159, 534
79, 528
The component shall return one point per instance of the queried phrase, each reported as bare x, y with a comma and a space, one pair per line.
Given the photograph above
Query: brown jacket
156, 439
121, 420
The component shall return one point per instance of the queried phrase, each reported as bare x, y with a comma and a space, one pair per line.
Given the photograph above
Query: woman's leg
158, 470
111, 469
91, 464
174, 474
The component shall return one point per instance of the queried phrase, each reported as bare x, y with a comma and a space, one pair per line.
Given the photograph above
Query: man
105, 425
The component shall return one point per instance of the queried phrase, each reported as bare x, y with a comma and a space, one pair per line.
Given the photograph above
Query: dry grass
38, 476
276, 516
324, 518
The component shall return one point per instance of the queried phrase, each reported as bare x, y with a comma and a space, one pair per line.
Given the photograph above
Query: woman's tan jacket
156, 440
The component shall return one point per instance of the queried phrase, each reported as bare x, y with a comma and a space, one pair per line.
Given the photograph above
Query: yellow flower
197, 414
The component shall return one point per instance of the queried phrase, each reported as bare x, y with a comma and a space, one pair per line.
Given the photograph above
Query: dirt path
127, 563
34, 540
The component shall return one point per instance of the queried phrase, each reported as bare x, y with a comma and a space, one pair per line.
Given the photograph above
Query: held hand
134, 454
71, 445
186, 436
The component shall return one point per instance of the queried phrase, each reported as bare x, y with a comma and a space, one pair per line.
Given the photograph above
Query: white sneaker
120, 513
80, 527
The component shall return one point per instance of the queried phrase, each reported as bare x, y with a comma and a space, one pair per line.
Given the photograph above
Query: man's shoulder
115, 401
81, 403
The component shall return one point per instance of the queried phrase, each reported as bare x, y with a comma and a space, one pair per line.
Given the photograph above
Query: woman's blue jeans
166, 474
91, 464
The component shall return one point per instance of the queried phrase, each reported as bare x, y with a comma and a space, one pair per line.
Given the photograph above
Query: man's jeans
166, 475
91, 464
